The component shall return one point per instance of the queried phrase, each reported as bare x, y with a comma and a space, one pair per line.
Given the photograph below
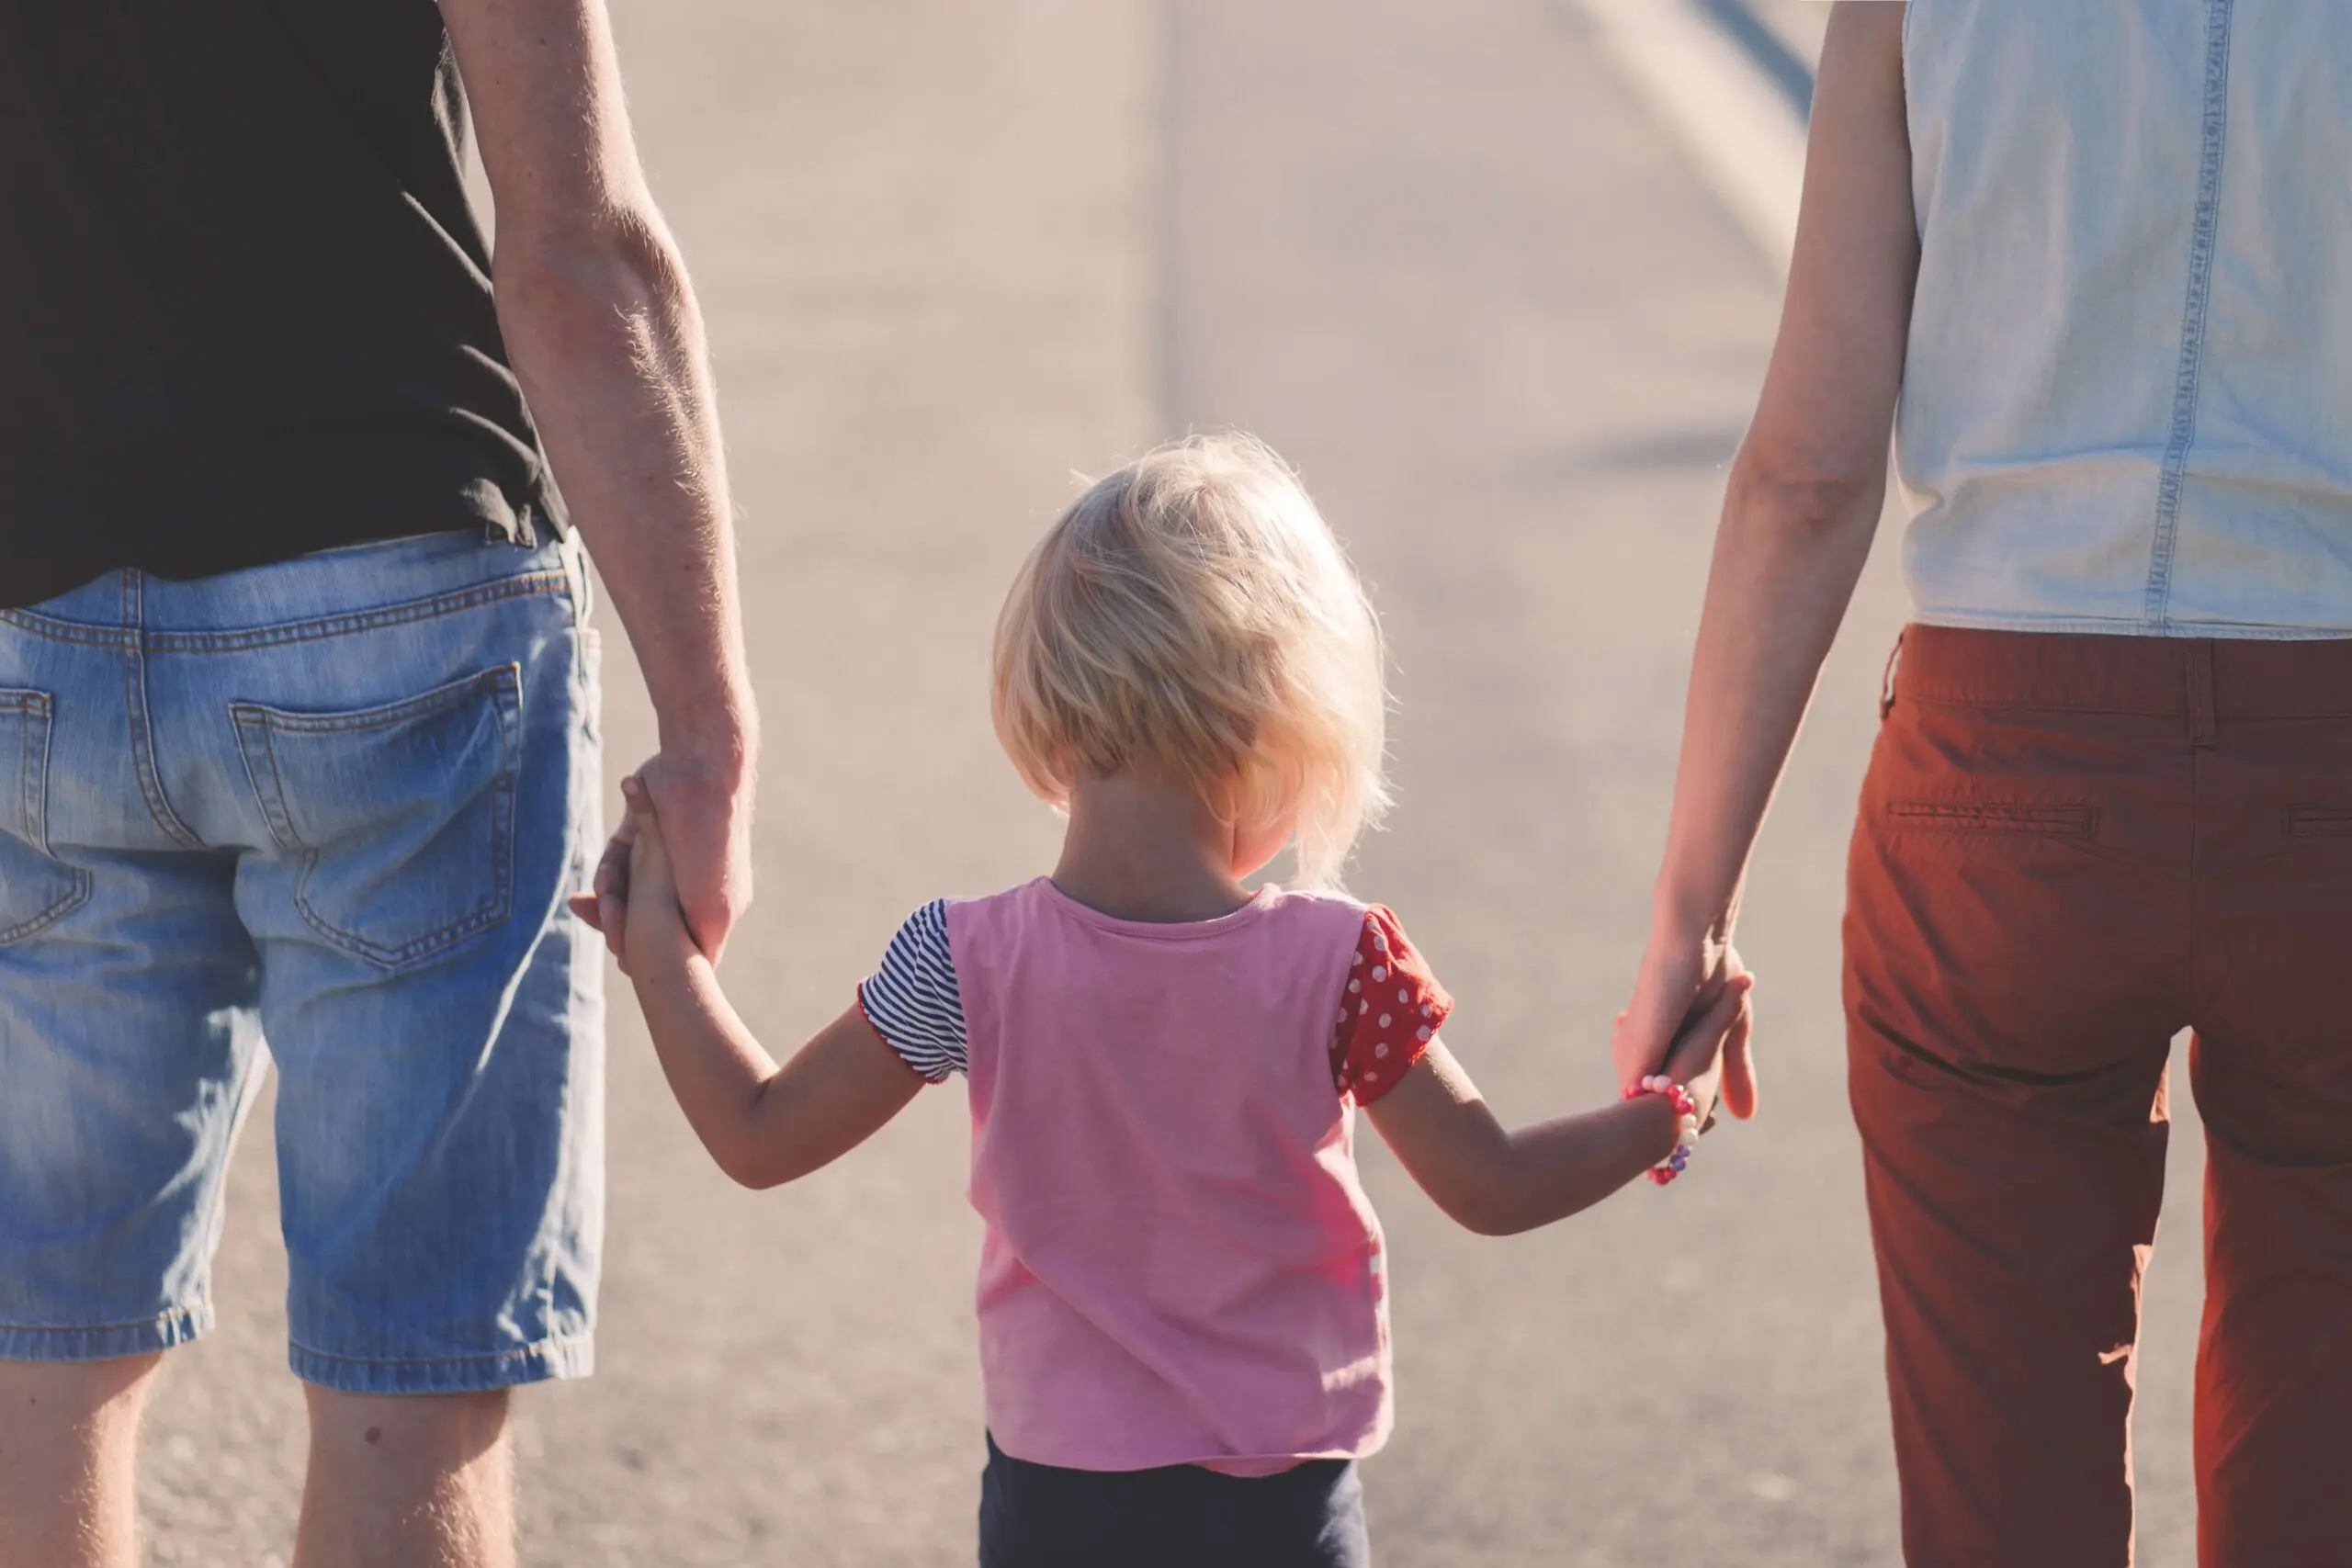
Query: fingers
610, 886
642, 818
1641, 1041
1739, 1066
1705, 1035
1728, 1004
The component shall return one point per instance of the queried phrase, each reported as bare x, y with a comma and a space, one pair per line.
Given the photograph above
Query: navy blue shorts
1039, 1515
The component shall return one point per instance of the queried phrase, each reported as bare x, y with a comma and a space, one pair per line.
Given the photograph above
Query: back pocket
36, 889
401, 817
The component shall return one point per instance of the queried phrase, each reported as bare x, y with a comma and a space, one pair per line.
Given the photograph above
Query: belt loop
1886, 681
2204, 732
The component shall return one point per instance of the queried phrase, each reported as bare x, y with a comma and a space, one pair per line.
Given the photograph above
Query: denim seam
54, 913
528, 584
2157, 604
521, 1352
504, 680
139, 719
32, 776
32, 764
186, 1309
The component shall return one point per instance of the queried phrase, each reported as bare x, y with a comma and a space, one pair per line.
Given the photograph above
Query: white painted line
1749, 143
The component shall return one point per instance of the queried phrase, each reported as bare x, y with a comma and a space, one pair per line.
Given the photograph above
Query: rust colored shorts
2071, 848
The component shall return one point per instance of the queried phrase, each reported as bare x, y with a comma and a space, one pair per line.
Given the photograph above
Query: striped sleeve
911, 1000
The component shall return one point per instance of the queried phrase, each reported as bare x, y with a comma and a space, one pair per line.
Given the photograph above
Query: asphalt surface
1443, 259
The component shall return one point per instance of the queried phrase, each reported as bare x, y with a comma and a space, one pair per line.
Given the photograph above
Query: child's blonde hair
1193, 611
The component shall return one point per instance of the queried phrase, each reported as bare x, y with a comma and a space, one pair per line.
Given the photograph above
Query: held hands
706, 812
639, 909
1705, 1047
1682, 986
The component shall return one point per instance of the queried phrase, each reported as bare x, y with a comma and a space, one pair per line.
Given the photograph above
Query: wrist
1656, 1116
1680, 1113
720, 742
1686, 920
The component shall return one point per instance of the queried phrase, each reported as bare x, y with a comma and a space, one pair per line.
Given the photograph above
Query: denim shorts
329, 810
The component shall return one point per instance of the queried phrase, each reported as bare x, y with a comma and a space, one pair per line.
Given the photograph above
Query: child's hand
604, 909
656, 929
1695, 1060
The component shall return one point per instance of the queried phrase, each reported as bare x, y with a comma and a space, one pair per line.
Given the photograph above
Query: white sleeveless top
2127, 406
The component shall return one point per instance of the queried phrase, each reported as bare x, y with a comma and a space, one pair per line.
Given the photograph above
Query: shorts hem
546, 1361
106, 1341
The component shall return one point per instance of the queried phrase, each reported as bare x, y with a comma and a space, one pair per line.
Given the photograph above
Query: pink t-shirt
1181, 1266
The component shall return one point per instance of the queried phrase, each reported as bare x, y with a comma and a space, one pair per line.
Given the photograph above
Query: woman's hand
1711, 1054
1681, 981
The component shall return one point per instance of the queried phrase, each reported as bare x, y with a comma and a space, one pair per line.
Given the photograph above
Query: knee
436, 1431
49, 1402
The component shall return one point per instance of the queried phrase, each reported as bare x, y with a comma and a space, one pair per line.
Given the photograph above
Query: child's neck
1140, 848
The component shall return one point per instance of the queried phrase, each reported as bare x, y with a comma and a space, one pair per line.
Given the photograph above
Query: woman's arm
1804, 502
765, 1125
1500, 1182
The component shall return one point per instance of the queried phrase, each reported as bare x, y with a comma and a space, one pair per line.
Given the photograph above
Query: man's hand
705, 816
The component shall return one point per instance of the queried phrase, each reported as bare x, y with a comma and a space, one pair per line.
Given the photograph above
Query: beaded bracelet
1686, 1112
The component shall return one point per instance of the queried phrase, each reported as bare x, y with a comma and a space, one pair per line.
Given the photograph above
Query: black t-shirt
246, 307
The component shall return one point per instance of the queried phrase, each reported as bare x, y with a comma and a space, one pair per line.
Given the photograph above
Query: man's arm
607, 342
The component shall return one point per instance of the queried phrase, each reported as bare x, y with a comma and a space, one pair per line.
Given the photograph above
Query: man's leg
424, 787
407, 1482
69, 1440
127, 1058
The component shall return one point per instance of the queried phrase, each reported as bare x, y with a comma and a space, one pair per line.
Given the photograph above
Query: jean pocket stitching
1977, 817
531, 585
32, 810
256, 722
2317, 821
78, 895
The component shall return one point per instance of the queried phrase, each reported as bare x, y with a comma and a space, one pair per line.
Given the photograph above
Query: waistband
2190, 678
392, 578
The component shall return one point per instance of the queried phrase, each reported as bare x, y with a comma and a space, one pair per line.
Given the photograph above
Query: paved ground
1443, 259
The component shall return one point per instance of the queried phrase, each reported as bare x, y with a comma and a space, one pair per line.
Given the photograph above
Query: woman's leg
2273, 1074
2016, 945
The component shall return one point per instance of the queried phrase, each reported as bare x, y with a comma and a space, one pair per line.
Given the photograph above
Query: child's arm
765, 1124
1499, 1182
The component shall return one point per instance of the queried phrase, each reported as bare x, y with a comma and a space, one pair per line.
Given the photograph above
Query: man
297, 718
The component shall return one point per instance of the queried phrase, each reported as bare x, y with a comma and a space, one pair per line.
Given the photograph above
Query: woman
2097, 255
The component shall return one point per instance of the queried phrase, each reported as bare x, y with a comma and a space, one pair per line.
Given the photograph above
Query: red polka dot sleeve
1392, 1008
